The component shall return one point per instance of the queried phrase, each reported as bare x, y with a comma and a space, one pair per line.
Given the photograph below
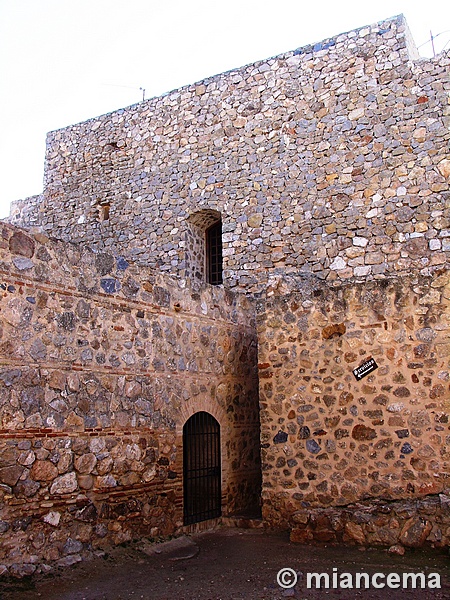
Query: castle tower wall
327, 170
332, 159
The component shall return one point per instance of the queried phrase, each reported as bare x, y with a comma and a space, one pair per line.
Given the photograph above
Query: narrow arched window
204, 256
214, 254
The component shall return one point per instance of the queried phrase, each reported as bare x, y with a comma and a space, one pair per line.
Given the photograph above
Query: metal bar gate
201, 468
214, 254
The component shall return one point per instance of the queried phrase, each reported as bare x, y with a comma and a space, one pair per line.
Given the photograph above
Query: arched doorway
201, 468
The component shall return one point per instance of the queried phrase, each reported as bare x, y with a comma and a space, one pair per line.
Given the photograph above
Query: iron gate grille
201, 468
214, 253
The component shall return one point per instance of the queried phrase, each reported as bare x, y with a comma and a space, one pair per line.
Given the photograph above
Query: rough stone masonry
102, 363
340, 454
328, 171
332, 159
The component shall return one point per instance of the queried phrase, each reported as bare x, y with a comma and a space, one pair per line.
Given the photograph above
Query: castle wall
357, 460
25, 212
332, 159
101, 364
329, 169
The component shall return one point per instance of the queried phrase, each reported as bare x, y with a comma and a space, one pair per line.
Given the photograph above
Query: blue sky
64, 61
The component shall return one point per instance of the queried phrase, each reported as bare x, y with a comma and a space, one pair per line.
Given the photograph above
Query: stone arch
204, 246
202, 469
192, 406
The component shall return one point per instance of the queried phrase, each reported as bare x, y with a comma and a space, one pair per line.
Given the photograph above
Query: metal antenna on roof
130, 87
431, 40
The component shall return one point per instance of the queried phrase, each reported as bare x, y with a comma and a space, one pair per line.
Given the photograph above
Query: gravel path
228, 564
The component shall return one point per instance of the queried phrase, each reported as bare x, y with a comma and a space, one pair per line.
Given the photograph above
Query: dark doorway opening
201, 468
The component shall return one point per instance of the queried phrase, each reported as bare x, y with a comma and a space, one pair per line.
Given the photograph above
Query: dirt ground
228, 564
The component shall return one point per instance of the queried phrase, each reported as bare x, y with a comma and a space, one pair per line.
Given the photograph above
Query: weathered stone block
43, 470
10, 475
362, 432
20, 243
334, 330
415, 532
355, 532
65, 484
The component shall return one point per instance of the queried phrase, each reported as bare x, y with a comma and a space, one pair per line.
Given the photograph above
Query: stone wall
333, 444
329, 169
25, 213
331, 159
101, 364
